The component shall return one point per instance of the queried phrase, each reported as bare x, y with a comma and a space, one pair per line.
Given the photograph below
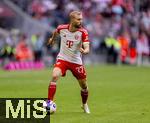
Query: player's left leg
80, 74
84, 94
84, 90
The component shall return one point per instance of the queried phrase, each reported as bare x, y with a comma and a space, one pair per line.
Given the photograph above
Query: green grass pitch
118, 94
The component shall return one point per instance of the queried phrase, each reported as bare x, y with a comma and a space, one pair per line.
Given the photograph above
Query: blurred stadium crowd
119, 30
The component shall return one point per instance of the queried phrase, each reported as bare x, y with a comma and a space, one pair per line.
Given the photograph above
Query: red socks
84, 95
51, 90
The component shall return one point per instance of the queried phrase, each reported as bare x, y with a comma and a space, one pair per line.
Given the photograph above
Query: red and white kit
69, 50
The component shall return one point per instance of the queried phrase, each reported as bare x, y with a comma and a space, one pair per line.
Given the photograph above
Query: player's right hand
50, 42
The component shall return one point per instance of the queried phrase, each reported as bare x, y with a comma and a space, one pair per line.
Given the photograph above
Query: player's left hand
82, 50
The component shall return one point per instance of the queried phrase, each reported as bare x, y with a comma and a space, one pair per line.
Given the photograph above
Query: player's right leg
52, 86
59, 70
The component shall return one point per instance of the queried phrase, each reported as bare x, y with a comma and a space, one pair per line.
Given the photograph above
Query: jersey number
80, 69
69, 44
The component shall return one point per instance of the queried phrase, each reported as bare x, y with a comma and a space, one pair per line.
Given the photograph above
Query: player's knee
55, 76
84, 85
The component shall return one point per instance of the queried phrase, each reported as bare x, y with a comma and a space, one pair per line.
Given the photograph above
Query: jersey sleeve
58, 29
85, 37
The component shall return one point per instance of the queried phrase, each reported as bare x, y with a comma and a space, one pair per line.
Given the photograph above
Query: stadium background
118, 65
118, 29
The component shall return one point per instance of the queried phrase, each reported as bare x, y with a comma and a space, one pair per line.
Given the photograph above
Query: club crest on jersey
76, 37
64, 35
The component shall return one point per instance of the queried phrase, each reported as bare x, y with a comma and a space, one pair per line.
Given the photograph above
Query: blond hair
74, 13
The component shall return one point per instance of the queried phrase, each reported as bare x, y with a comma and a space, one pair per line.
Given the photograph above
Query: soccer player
74, 43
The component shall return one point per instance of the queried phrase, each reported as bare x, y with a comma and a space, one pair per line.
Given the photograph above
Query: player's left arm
86, 48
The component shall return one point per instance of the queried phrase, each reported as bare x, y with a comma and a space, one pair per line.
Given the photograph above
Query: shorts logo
58, 63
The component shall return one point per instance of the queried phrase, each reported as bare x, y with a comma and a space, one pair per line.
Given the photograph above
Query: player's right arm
52, 39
